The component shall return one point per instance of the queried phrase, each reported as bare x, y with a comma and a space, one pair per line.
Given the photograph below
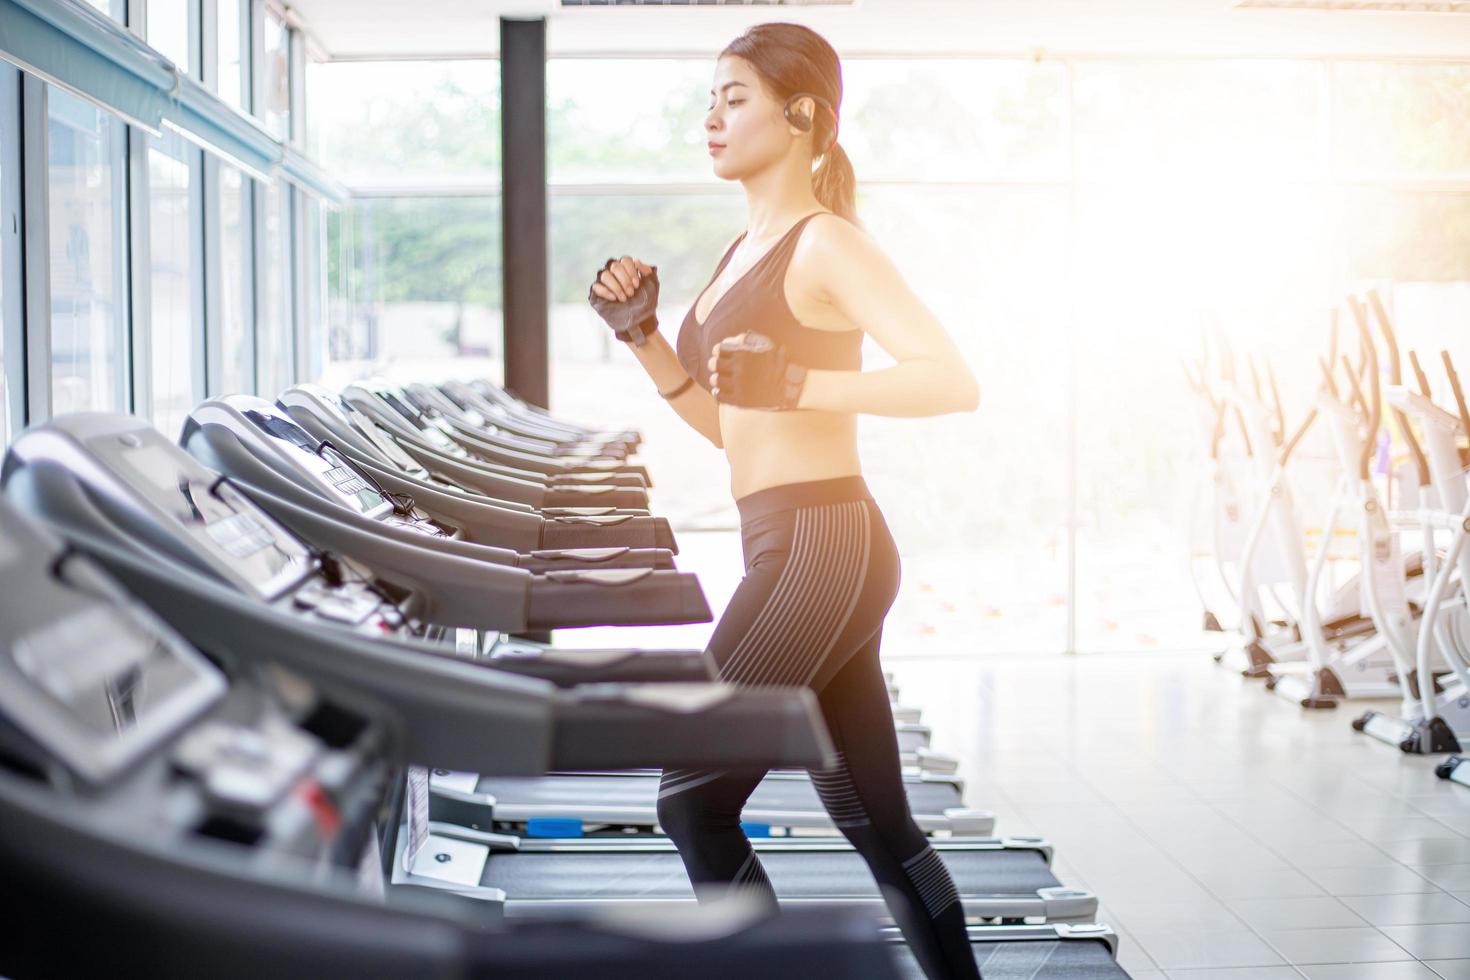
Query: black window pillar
523, 207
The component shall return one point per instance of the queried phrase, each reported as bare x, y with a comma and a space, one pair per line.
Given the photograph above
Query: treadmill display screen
323, 460
247, 542
104, 668
349, 482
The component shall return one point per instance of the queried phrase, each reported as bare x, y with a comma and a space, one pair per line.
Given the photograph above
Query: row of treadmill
278, 699
1395, 512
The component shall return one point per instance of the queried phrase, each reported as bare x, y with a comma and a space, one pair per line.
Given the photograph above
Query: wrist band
671, 395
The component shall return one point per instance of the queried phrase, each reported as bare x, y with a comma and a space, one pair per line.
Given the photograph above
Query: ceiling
351, 29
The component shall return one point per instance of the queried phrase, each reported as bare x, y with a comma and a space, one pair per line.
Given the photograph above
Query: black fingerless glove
634, 320
754, 373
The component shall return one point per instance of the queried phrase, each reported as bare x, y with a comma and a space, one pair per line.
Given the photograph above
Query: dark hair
792, 59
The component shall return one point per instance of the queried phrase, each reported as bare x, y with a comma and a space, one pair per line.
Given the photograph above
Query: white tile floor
1227, 833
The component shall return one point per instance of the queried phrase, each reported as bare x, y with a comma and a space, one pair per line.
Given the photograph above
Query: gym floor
1228, 833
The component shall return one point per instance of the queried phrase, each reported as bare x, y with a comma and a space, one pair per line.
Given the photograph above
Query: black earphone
799, 120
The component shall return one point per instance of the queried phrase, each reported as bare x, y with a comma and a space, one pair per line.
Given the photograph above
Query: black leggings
821, 571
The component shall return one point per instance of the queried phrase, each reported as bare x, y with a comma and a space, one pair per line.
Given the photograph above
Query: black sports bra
757, 301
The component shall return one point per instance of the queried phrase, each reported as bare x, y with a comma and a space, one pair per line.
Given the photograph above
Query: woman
767, 366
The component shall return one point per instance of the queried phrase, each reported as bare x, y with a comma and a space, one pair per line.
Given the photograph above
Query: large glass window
231, 23
176, 333
592, 133
427, 286
423, 123
116, 9
168, 30
275, 350
1179, 120
312, 333
1402, 118
275, 70
236, 309
86, 171
1000, 120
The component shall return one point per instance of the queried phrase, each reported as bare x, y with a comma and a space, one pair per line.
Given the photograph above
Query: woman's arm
618, 283
694, 404
854, 275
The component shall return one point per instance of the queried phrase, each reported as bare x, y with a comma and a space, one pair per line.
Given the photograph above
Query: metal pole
523, 208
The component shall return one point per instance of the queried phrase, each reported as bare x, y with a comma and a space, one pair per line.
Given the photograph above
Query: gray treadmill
570, 805
116, 479
255, 443
997, 878
182, 817
428, 439
73, 468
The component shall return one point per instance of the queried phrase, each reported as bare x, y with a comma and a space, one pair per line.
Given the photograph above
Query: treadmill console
164, 497
225, 528
319, 462
103, 701
328, 467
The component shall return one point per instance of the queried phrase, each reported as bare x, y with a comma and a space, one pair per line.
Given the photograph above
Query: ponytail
835, 184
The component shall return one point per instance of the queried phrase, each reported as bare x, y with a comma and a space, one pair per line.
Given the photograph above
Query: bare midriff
768, 449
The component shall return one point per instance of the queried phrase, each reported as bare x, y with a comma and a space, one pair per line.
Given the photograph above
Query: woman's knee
680, 815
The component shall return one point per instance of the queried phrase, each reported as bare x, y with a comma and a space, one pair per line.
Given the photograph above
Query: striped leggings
821, 571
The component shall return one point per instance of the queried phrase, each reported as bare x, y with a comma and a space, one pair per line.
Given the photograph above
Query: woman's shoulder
831, 245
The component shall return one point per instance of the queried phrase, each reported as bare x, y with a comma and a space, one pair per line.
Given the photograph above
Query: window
427, 285
88, 267
594, 133
1183, 119
275, 347
176, 333
1402, 118
168, 30
231, 14
275, 72
116, 9
1000, 119
236, 309
312, 331
425, 123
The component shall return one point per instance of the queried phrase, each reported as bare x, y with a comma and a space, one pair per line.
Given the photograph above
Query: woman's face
745, 128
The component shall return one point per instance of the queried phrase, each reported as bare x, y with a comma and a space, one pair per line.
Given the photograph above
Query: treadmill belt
576, 793
1048, 959
645, 875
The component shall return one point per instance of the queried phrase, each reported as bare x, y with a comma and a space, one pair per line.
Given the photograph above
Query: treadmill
474, 410
432, 403
374, 442
255, 443
457, 491
567, 805
178, 816
116, 477
527, 413
258, 442
391, 409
